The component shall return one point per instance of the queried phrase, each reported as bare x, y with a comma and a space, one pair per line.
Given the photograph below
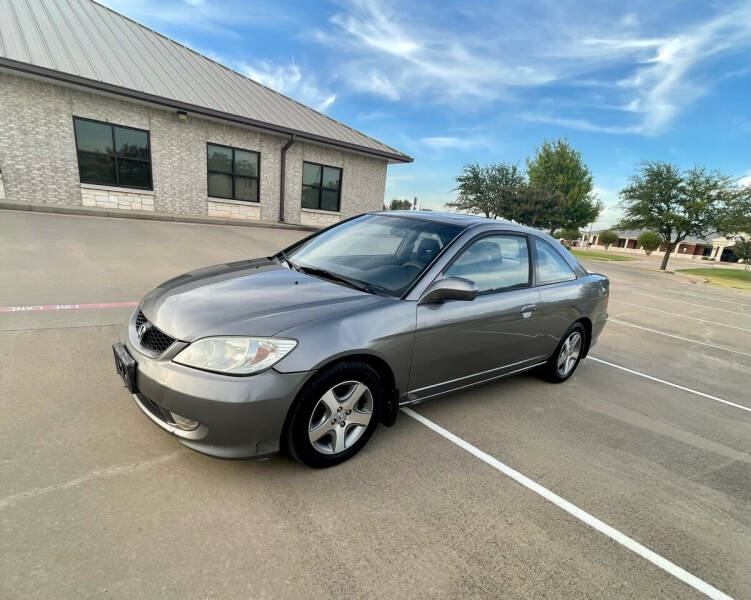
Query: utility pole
414, 206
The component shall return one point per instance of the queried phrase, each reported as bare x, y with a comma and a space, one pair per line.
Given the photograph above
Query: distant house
98, 110
713, 246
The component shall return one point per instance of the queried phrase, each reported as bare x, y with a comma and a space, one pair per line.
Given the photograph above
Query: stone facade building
81, 125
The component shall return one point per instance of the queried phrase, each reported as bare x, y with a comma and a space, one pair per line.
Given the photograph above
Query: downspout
283, 170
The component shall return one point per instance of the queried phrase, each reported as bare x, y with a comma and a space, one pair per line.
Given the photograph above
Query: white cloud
221, 19
462, 143
661, 84
395, 61
289, 80
580, 124
425, 57
610, 214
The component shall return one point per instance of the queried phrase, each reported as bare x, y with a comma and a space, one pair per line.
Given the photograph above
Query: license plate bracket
125, 365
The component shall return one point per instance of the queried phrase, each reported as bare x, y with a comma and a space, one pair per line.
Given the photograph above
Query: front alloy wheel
333, 417
340, 418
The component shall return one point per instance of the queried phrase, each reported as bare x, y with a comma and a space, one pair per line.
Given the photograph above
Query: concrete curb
148, 216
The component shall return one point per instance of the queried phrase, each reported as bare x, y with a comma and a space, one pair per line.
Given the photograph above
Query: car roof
454, 218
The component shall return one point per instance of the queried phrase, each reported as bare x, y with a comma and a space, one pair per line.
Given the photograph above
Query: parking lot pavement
96, 501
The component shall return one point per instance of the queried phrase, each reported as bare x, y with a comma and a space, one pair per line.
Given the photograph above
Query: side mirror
451, 288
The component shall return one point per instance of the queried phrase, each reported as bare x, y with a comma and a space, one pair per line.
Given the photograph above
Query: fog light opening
183, 422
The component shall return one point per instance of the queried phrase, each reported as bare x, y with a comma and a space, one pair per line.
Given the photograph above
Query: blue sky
451, 83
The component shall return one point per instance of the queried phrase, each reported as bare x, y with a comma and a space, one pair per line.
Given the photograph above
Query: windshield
385, 254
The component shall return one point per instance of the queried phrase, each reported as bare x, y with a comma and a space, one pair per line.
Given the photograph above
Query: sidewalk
150, 216
681, 259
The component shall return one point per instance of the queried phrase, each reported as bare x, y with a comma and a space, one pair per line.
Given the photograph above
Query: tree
557, 168
537, 208
678, 204
742, 249
491, 190
568, 235
607, 237
649, 241
400, 204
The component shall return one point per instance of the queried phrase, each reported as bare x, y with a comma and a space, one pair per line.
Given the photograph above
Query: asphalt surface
96, 502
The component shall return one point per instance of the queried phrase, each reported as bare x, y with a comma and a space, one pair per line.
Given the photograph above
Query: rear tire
569, 352
335, 415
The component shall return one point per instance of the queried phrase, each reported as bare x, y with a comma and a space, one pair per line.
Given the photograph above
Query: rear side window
494, 263
550, 267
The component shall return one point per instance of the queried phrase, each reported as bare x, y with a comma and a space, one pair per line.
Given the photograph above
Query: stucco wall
39, 164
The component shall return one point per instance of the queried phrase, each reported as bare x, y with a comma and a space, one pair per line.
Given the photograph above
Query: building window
321, 187
232, 173
112, 154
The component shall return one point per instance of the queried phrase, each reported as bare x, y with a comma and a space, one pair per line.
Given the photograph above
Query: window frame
114, 155
533, 248
233, 174
484, 234
320, 187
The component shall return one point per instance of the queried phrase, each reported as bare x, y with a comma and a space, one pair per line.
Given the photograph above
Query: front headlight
235, 355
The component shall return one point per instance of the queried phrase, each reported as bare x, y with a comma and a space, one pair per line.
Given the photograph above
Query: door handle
527, 310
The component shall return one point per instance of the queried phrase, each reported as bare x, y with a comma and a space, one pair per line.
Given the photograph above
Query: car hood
253, 297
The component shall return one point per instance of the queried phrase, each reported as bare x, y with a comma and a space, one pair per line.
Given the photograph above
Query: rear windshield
386, 253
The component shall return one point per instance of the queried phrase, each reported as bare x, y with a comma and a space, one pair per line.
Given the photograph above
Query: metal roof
84, 43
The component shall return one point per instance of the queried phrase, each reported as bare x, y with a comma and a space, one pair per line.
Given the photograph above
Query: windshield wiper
358, 285
292, 265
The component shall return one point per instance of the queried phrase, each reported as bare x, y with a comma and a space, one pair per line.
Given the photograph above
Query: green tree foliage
537, 208
568, 235
607, 237
400, 204
649, 241
556, 168
678, 204
742, 249
490, 190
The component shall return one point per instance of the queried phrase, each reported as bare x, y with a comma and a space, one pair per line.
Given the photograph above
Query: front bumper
239, 417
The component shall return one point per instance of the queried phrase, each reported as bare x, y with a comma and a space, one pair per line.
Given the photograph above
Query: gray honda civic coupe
309, 350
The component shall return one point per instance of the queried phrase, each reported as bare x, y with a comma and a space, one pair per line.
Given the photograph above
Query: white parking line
736, 302
678, 337
679, 315
575, 511
670, 383
712, 308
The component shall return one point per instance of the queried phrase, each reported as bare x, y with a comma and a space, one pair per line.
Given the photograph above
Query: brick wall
318, 218
104, 197
39, 165
234, 210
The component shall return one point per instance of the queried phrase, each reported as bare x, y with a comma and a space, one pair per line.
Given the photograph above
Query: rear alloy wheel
334, 417
567, 355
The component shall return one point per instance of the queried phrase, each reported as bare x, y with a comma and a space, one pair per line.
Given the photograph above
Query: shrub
607, 238
650, 241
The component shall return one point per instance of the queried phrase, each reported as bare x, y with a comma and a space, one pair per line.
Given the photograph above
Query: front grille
151, 338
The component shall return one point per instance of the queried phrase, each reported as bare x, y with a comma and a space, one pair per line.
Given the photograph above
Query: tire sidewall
298, 442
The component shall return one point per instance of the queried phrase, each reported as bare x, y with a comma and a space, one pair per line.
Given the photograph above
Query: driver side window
494, 263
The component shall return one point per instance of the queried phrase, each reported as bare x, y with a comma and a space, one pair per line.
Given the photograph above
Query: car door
459, 343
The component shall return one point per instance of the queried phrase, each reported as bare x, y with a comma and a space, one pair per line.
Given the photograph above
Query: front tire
562, 364
335, 415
